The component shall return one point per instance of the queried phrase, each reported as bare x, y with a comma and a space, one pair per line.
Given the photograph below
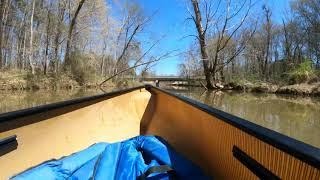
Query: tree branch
146, 52
141, 64
190, 35
237, 28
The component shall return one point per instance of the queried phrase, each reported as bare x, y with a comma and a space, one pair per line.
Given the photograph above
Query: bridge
167, 78
173, 79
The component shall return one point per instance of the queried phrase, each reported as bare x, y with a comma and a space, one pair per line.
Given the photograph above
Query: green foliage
302, 73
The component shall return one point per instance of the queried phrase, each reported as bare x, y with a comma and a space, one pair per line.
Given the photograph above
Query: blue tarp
129, 159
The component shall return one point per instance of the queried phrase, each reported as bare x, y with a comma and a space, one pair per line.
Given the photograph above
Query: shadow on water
297, 117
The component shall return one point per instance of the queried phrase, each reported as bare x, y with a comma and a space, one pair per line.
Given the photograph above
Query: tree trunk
1, 61
202, 42
233, 69
67, 62
1, 15
31, 39
24, 51
46, 59
268, 28
103, 59
222, 77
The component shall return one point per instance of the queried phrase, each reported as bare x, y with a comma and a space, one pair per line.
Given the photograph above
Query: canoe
223, 145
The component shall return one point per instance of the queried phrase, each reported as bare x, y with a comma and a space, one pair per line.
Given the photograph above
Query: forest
52, 43
236, 44
70, 42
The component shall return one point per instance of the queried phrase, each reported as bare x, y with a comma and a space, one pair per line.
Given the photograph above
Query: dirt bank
296, 89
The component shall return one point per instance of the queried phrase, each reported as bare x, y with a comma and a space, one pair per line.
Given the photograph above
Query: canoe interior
69, 129
203, 138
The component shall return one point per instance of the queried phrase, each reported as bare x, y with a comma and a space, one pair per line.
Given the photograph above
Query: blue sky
170, 20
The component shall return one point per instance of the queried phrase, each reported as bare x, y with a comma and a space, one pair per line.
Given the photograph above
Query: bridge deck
168, 78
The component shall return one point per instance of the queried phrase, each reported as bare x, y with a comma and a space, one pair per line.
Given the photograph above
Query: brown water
297, 117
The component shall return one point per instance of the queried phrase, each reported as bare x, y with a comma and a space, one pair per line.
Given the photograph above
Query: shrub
83, 68
302, 73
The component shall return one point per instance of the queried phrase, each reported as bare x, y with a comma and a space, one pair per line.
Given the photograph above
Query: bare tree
2, 12
307, 16
197, 19
191, 65
268, 27
69, 39
58, 33
134, 22
223, 33
31, 39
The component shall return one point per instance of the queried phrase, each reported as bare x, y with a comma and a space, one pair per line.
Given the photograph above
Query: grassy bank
300, 80
23, 80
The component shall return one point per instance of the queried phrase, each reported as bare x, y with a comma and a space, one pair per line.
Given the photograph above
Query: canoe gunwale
8, 144
305, 152
47, 107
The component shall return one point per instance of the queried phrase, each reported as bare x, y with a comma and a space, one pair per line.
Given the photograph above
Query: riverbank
308, 89
304, 89
21, 80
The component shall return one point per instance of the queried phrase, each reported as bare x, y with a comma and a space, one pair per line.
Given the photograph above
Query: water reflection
297, 117
15, 100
